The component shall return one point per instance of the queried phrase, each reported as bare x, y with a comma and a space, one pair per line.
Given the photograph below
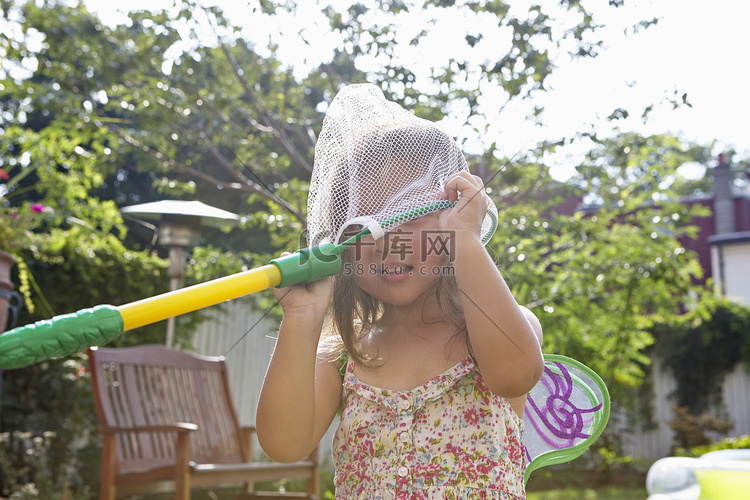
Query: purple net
559, 411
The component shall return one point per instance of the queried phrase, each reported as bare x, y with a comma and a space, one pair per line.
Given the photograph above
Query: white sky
700, 48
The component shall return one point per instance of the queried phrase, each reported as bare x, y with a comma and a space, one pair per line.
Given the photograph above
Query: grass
604, 493
563, 482
564, 493
551, 483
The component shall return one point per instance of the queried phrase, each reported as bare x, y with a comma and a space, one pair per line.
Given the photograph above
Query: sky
698, 48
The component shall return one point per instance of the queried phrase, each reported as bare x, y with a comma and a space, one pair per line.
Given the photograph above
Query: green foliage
577, 480
693, 429
521, 42
600, 277
741, 442
75, 268
94, 268
701, 348
51, 402
30, 479
209, 115
59, 160
587, 493
17, 226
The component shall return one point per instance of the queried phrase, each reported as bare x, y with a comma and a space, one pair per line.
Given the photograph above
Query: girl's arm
505, 337
301, 391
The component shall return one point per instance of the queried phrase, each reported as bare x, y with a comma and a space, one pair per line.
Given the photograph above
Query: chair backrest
565, 412
154, 385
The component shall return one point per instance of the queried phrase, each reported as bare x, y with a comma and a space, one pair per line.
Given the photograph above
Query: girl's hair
354, 312
373, 159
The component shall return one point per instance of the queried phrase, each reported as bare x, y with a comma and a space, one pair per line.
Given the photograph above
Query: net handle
415, 213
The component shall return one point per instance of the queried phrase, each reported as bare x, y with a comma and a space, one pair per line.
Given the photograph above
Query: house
723, 249
729, 241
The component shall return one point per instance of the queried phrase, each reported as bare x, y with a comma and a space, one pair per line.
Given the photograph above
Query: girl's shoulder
331, 350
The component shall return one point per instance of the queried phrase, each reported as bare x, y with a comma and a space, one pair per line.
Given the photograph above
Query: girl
427, 356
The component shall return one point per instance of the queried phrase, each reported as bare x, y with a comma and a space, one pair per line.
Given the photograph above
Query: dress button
403, 471
403, 437
404, 404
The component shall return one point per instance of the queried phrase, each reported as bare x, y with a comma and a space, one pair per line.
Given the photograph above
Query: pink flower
4, 175
79, 372
471, 416
483, 469
36, 207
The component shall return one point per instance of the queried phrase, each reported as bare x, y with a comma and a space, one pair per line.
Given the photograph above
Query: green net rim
404, 217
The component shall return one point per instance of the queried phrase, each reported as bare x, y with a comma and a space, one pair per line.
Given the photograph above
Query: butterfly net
377, 166
564, 412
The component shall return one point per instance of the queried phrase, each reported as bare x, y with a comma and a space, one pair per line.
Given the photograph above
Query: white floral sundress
451, 438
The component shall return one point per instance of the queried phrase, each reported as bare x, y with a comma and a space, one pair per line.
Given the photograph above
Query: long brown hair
354, 312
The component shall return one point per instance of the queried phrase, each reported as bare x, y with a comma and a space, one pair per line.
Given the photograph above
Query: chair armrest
248, 429
246, 442
175, 427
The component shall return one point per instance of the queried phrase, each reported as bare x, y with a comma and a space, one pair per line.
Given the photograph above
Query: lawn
550, 483
605, 493
566, 482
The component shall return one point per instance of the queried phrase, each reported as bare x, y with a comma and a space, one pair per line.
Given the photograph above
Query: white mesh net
378, 165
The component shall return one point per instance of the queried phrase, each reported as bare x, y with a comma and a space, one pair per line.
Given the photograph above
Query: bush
50, 443
27, 470
693, 430
730, 443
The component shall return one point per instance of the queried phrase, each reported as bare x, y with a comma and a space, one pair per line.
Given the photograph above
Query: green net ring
404, 217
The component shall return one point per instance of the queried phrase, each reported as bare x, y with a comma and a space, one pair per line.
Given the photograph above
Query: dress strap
344, 358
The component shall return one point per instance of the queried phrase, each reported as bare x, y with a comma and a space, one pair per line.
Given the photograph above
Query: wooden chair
169, 424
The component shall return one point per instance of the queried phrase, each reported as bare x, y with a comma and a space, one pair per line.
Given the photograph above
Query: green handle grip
60, 336
309, 264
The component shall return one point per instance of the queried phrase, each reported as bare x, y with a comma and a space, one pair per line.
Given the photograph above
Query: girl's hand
309, 300
469, 212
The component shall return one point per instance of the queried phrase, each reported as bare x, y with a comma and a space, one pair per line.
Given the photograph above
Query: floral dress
450, 438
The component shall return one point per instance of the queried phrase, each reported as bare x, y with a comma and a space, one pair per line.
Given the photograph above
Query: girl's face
403, 264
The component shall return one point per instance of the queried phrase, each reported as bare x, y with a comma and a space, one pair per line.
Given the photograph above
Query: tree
77, 259
497, 48
216, 115
218, 121
207, 116
601, 276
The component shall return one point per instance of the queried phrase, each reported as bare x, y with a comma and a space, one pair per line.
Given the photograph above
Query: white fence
248, 360
657, 443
